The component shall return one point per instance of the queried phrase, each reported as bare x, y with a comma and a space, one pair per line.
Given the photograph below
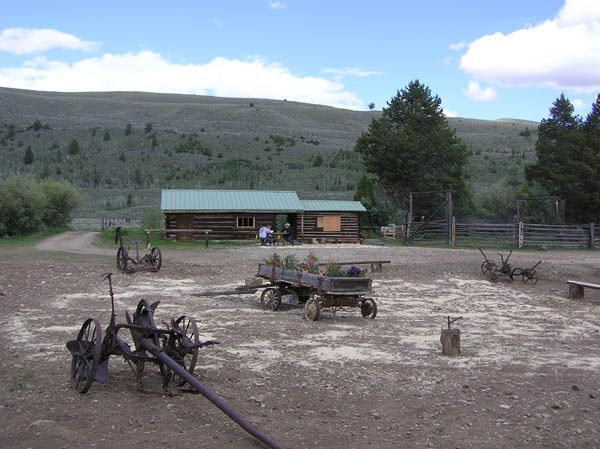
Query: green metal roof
185, 200
332, 206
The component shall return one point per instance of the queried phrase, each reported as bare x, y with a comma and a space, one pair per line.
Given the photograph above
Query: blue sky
485, 59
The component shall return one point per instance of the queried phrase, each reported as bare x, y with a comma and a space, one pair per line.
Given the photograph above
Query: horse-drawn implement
315, 291
174, 349
492, 271
151, 260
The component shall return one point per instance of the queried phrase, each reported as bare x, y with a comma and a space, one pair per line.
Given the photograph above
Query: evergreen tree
73, 146
28, 157
412, 148
566, 165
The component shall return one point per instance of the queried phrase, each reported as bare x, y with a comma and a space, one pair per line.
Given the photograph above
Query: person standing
287, 233
263, 234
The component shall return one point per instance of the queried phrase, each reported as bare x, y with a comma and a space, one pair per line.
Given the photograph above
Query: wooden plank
584, 284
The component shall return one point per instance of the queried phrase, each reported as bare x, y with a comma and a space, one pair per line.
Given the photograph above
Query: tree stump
450, 339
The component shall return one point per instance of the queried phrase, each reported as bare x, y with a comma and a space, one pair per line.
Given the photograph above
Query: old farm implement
173, 348
151, 260
315, 291
492, 271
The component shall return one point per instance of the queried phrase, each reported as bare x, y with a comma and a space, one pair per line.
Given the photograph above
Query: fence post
453, 233
592, 235
521, 234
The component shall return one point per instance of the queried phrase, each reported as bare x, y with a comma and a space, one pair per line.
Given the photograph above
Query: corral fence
100, 224
520, 235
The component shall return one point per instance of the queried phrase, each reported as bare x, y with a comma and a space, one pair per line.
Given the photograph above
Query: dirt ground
528, 375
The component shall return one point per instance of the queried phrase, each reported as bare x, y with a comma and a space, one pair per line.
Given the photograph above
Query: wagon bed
316, 291
327, 285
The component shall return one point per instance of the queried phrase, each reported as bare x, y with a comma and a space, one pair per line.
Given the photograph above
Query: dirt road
528, 376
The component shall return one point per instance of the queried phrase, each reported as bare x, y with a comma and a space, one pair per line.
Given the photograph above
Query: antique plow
492, 271
151, 260
174, 349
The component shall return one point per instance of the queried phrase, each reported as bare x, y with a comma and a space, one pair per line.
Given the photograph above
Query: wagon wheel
487, 267
530, 277
368, 308
188, 336
86, 355
122, 258
271, 298
156, 259
312, 309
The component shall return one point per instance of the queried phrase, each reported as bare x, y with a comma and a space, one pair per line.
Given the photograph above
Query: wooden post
206, 239
410, 214
521, 234
449, 217
453, 233
592, 235
450, 339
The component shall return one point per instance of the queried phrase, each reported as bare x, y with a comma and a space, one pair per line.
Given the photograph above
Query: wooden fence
519, 235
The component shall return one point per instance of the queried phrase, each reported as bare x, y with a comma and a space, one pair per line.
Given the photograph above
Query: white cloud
22, 41
448, 113
475, 92
274, 4
578, 103
148, 71
458, 46
562, 53
352, 71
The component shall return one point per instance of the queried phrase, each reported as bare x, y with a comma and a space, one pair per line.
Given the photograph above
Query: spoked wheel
368, 308
530, 278
86, 352
122, 258
271, 298
312, 309
487, 267
155, 259
185, 344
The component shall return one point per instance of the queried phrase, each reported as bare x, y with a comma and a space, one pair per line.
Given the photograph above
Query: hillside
120, 148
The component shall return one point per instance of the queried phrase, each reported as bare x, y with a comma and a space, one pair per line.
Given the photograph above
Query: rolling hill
120, 148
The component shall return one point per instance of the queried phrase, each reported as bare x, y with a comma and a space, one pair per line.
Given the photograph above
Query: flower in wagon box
355, 271
274, 260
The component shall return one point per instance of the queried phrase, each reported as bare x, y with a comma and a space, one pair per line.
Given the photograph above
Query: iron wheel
312, 309
156, 258
368, 308
188, 336
487, 267
271, 298
122, 258
86, 352
530, 278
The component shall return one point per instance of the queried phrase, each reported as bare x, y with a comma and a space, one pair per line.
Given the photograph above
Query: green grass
107, 239
30, 239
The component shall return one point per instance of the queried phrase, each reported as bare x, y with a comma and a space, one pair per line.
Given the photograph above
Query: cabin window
329, 223
245, 222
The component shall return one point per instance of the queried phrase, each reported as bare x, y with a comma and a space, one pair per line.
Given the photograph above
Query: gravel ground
527, 377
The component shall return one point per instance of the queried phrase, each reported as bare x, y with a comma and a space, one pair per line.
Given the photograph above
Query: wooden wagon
316, 291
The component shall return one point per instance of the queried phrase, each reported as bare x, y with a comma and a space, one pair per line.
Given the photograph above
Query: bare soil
528, 375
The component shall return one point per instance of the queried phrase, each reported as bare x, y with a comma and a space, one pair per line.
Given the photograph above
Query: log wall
348, 233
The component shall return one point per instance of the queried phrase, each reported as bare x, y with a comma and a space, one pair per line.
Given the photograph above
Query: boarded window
329, 223
245, 222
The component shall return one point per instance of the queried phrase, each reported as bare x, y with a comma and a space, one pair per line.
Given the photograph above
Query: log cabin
238, 214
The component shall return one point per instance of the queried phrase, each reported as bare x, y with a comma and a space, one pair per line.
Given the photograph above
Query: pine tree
566, 165
28, 157
412, 148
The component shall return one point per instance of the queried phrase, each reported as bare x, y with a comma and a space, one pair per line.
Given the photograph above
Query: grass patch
29, 239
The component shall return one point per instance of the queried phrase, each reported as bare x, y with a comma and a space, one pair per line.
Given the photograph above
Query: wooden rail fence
519, 235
